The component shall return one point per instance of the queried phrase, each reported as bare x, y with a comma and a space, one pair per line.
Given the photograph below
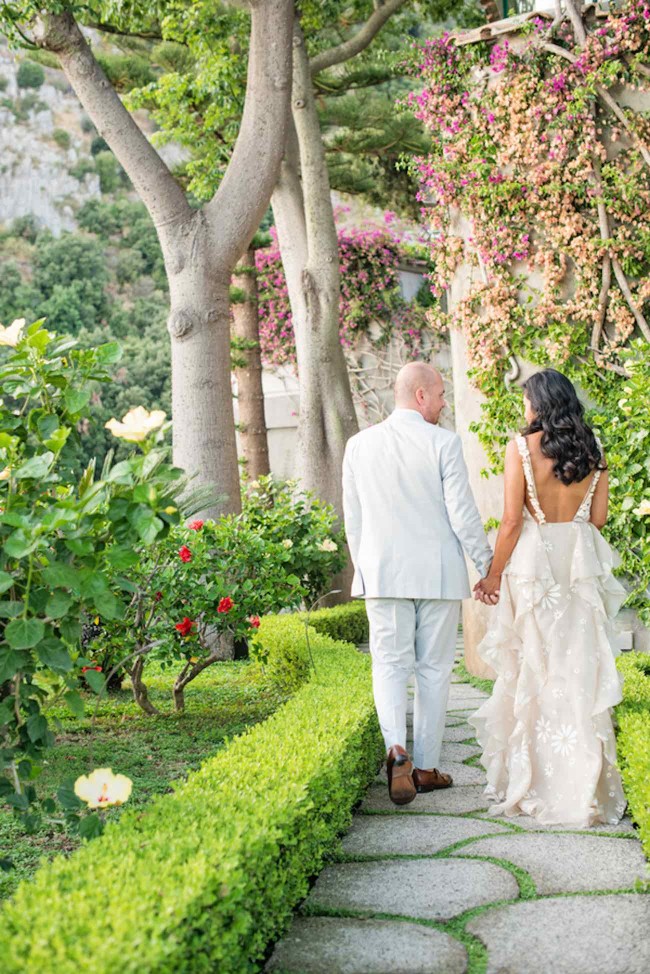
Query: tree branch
619, 273
361, 40
144, 35
243, 196
154, 183
578, 24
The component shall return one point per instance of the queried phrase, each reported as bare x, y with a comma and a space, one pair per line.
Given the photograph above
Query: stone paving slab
463, 774
459, 732
567, 863
427, 889
569, 935
323, 945
454, 801
383, 835
532, 825
466, 692
465, 705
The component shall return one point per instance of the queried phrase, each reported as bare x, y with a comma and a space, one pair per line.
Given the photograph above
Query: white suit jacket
409, 511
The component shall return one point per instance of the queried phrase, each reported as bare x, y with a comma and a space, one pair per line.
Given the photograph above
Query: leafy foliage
302, 526
66, 543
104, 282
633, 739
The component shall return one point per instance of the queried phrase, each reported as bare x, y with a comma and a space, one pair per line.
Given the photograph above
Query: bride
546, 732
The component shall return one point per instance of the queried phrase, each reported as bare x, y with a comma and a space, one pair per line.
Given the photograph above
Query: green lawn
152, 751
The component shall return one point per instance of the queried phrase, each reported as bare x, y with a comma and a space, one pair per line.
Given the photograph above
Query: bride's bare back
560, 502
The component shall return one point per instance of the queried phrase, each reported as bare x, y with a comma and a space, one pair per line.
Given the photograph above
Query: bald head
419, 386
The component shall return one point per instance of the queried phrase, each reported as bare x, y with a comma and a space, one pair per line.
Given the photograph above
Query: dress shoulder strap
524, 453
583, 512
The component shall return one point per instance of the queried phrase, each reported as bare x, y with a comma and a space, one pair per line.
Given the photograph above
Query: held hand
487, 590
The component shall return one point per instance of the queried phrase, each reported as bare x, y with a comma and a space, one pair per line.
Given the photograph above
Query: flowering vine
537, 185
371, 300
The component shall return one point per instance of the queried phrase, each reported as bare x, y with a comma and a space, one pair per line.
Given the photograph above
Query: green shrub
633, 739
303, 524
30, 75
62, 138
25, 227
281, 648
348, 622
81, 168
206, 878
4, 82
98, 145
108, 171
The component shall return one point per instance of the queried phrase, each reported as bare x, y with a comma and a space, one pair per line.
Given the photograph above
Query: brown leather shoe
431, 780
400, 776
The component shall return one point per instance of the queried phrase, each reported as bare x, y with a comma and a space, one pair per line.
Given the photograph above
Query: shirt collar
400, 413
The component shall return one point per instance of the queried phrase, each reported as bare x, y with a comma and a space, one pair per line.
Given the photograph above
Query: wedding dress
546, 732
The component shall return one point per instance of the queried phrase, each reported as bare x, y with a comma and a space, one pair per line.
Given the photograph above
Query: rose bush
204, 588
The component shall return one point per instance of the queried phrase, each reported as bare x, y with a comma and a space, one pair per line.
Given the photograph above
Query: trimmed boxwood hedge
633, 739
205, 878
348, 622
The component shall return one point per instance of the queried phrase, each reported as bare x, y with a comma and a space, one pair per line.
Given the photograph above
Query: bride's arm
511, 522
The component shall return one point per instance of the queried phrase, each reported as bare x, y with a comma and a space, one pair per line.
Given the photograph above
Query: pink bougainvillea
370, 294
517, 147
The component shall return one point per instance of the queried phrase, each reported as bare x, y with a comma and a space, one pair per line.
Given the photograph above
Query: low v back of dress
546, 732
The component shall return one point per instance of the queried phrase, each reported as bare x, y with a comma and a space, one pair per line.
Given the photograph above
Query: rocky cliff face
37, 162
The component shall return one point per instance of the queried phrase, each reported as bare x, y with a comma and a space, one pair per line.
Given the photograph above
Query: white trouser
406, 636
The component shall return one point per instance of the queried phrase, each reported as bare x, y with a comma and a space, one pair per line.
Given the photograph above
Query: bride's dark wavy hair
559, 415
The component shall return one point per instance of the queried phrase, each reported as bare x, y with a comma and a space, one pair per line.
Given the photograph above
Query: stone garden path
439, 887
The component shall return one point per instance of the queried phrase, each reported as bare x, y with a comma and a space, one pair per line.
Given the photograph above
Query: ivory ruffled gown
546, 732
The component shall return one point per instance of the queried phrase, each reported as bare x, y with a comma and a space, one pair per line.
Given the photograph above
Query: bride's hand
487, 589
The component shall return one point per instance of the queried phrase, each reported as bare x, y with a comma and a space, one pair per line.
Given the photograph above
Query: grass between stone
152, 751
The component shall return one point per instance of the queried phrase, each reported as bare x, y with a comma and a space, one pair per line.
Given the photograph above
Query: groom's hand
487, 590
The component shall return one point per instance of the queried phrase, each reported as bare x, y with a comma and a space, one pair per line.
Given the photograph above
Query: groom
409, 514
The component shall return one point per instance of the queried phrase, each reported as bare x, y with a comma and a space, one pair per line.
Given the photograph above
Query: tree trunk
200, 248
304, 218
199, 327
140, 692
224, 650
250, 393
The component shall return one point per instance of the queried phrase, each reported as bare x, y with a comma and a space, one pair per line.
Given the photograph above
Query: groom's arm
351, 506
463, 515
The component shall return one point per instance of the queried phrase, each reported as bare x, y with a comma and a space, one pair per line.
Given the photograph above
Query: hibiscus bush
206, 587
304, 526
66, 545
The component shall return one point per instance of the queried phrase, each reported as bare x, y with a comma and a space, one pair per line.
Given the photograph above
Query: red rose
225, 605
158, 596
85, 668
185, 554
255, 622
185, 627
195, 525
